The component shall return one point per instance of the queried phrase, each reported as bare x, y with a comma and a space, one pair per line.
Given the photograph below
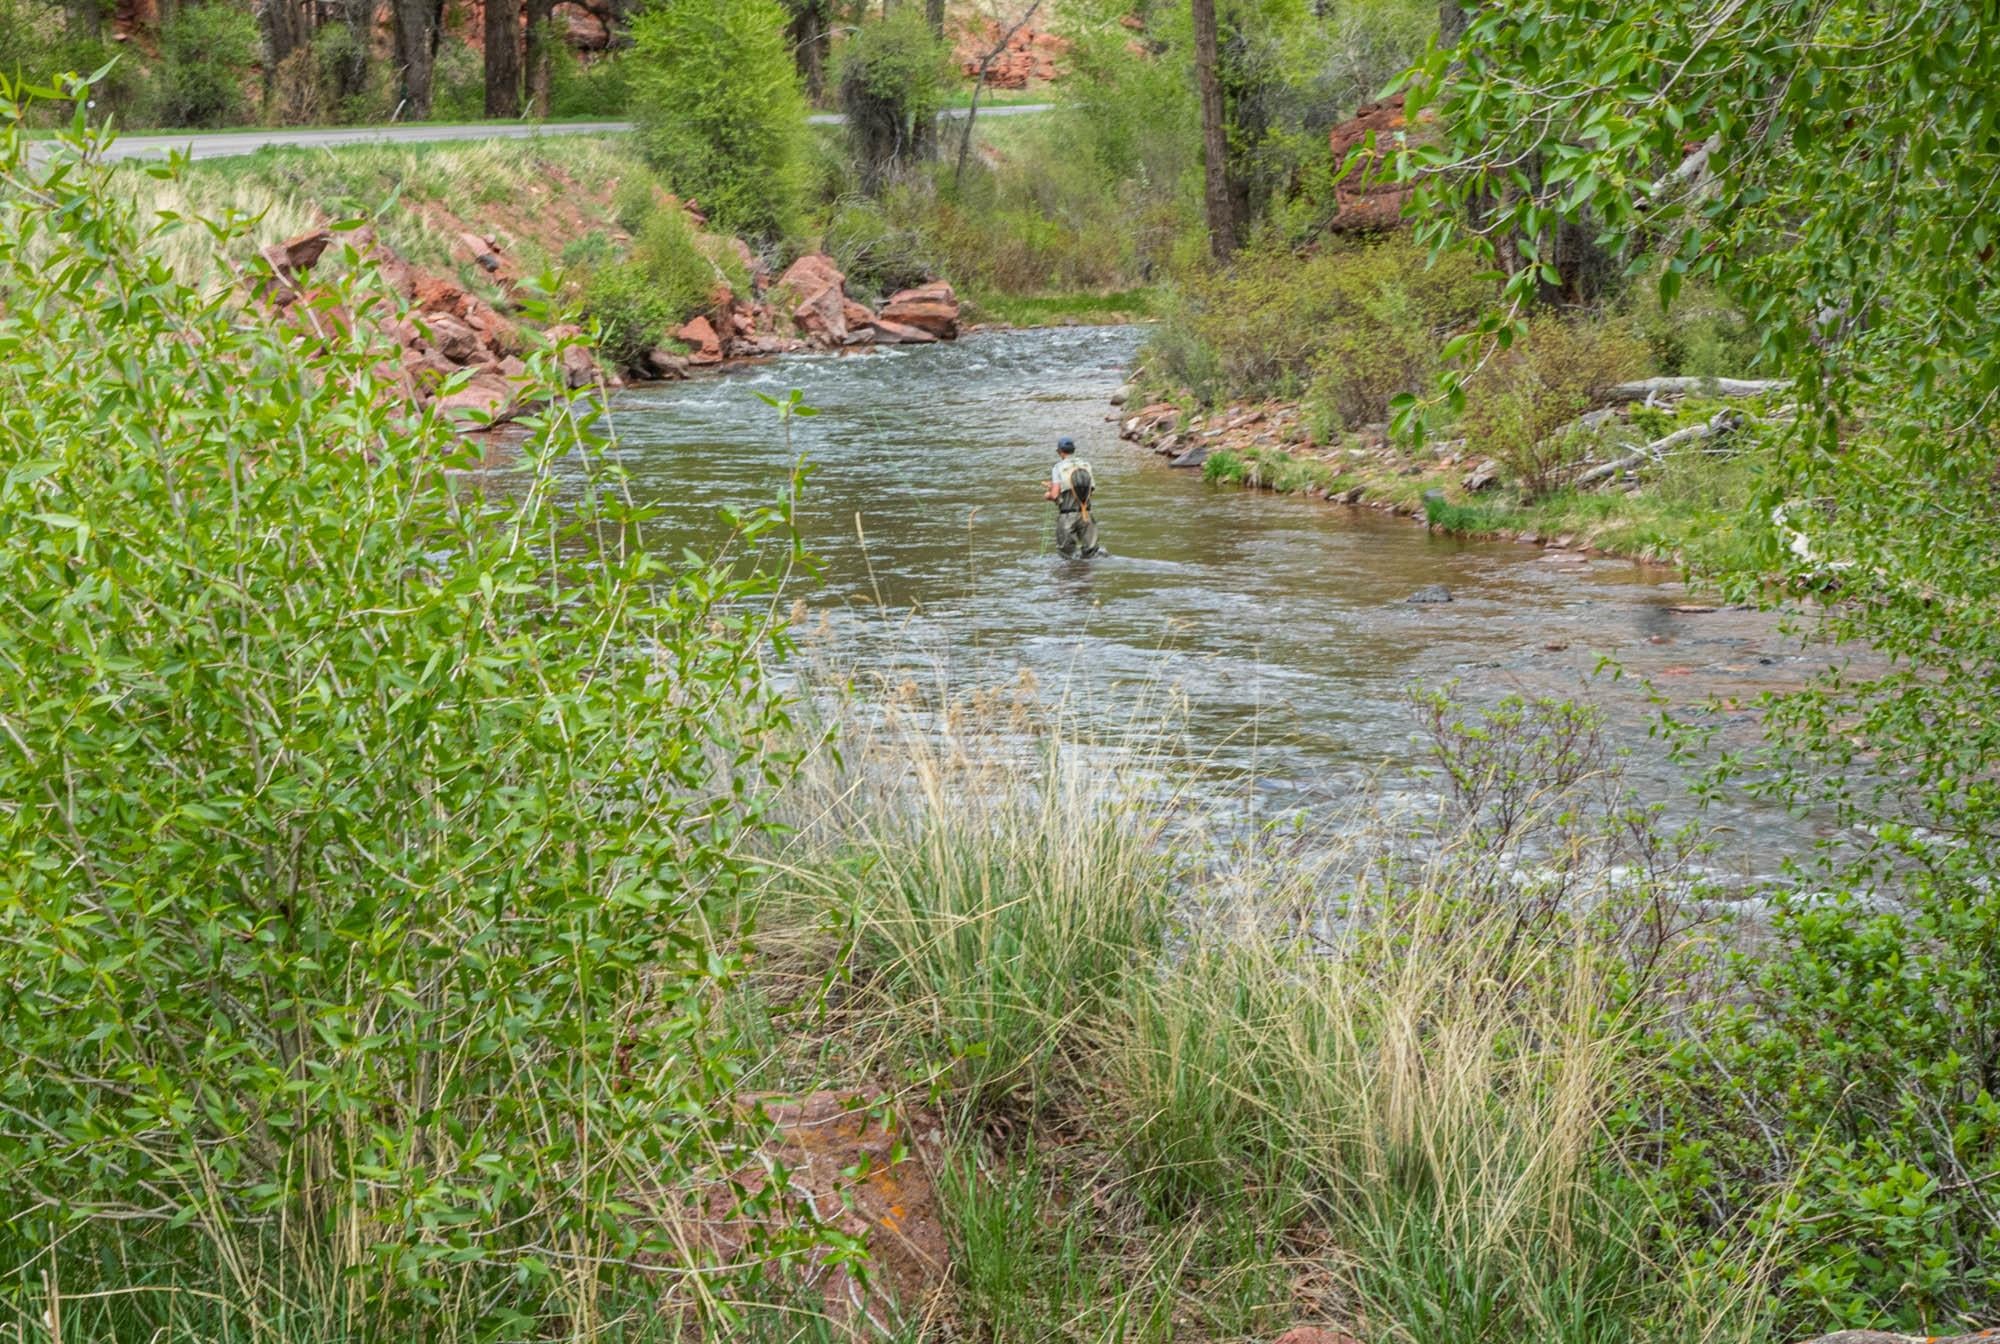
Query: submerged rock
1431, 592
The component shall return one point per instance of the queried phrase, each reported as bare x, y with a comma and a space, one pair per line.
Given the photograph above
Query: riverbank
487, 244
1688, 514
1142, 1095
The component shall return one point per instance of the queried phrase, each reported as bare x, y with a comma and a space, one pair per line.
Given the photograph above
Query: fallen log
1646, 388
1722, 422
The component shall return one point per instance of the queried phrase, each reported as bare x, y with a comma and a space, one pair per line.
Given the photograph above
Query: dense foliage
1830, 168
892, 82
365, 819
719, 110
1350, 326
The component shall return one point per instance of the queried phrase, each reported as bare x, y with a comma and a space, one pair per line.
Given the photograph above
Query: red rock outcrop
446, 335
701, 335
1031, 55
931, 308
1366, 204
816, 293
445, 332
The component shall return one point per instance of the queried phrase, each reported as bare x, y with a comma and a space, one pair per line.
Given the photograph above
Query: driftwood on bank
1722, 422
1647, 388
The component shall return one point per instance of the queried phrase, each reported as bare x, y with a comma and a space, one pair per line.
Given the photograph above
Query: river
1282, 621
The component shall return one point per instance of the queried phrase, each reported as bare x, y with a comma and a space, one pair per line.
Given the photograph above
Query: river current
1282, 624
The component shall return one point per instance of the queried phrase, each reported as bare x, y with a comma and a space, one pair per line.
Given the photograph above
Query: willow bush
362, 819
719, 111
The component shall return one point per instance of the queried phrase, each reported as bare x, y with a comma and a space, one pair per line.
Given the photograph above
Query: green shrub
580, 88
892, 79
1138, 118
878, 256
1704, 336
720, 115
634, 200
1840, 1104
206, 54
632, 316
38, 42
1523, 407
367, 820
1357, 323
458, 82
593, 250
681, 273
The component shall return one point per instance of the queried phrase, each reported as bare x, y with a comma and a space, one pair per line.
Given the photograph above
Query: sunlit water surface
1281, 623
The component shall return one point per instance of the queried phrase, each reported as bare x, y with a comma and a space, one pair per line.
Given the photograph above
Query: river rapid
1280, 626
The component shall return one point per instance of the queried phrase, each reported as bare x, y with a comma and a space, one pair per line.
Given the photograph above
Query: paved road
227, 144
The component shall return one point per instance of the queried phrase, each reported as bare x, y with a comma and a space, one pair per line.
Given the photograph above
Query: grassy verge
1193, 1093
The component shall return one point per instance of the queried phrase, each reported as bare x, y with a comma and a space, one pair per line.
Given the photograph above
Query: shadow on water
1283, 622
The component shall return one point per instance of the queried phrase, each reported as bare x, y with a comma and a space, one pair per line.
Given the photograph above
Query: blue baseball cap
1065, 445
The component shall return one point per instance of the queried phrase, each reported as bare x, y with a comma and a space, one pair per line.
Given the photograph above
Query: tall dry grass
1407, 1066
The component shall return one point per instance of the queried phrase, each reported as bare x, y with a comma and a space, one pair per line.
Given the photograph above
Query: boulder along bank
465, 354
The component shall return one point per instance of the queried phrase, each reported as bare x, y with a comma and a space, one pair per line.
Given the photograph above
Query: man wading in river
1070, 489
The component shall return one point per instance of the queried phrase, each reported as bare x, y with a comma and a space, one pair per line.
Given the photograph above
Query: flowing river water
1283, 622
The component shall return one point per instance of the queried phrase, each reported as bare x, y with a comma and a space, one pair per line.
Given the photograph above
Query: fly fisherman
1069, 489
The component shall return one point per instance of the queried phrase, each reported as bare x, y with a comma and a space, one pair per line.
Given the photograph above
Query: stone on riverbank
822, 1141
701, 335
933, 308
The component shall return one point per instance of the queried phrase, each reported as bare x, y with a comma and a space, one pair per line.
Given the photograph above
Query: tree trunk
416, 37
350, 74
1626, 393
541, 13
284, 26
811, 35
1216, 195
934, 15
503, 58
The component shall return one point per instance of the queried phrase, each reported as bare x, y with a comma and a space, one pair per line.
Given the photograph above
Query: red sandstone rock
427, 367
932, 308
295, 256
895, 333
820, 1141
586, 31
578, 365
453, 339
486, 399
822, 317
665, 363
817, 294
478, 250
1314, 1334
700, 334
1367, 205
